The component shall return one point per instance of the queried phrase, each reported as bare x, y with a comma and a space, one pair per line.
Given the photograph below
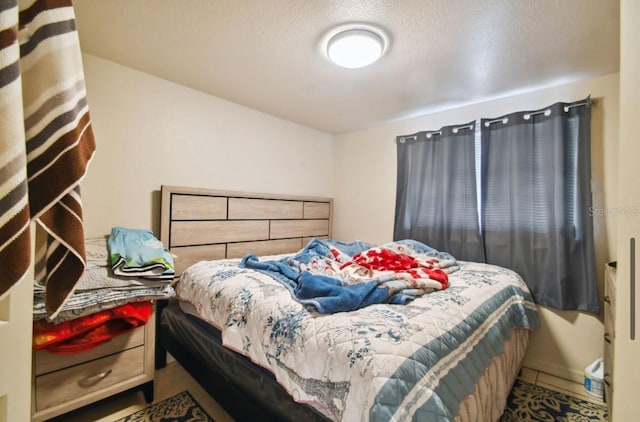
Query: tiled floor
173, 379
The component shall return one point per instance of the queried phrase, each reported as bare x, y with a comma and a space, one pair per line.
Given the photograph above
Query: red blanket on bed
85, 333
386, 260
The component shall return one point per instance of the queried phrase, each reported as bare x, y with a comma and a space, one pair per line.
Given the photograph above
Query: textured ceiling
268, 54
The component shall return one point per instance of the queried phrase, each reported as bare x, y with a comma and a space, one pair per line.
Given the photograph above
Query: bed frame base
215, 383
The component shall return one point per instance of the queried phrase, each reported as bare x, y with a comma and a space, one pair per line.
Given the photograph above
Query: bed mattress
259, 386
451, 354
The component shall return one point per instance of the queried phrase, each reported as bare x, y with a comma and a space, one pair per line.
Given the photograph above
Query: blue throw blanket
330, 294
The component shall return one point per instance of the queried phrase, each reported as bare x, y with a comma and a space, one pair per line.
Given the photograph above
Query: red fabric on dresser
85, 333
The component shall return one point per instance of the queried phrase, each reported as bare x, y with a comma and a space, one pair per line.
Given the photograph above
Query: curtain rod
527, 116
546, 112
431, 133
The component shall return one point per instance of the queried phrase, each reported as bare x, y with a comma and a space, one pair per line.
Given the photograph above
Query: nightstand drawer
64, 385
46, 362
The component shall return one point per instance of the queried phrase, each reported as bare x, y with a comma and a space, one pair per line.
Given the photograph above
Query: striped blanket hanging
46, 145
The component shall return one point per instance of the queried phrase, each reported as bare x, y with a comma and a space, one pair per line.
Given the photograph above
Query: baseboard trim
555, 370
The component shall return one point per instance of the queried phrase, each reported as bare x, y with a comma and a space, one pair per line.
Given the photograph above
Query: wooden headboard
204, 224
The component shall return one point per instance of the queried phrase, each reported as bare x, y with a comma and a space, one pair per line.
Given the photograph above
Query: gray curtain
535, 184
436, 200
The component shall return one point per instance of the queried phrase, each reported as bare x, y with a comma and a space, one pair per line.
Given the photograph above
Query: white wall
364, 202
151, 132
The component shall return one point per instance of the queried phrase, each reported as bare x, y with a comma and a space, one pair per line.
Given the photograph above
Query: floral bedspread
382, 362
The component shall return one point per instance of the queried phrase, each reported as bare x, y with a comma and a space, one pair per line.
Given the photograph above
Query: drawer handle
607, 300
607, 338
94, 379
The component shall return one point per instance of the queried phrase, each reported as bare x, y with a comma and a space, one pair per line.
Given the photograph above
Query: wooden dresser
609, 331
62, 383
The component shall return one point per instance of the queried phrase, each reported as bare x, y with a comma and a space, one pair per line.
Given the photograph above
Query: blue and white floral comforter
383, 362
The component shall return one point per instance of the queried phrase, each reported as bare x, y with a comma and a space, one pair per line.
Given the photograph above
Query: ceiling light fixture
355, 47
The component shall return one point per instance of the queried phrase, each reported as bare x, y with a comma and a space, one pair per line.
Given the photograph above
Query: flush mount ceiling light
355, 47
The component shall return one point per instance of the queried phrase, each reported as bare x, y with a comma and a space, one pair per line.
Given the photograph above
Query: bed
452, 354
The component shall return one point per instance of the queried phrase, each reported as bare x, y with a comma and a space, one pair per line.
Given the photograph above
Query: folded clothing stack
138, 253
100, 288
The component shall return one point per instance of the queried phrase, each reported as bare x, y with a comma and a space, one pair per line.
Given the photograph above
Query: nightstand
63, 383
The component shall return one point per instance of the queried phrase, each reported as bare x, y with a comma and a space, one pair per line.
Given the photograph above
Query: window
512, 191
